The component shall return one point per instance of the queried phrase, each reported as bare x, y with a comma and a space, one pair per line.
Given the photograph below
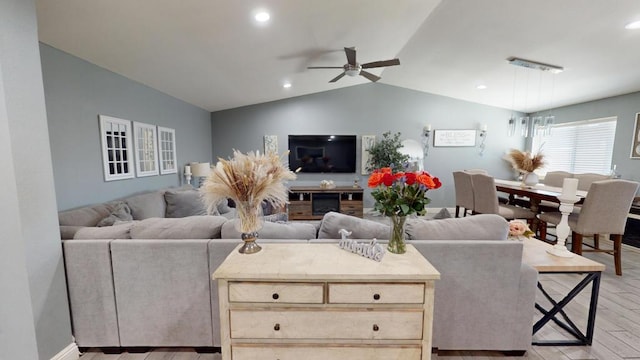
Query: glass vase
248, 221
397, 244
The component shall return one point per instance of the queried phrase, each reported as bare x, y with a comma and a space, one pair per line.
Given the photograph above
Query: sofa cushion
273, 230
69, 231
85, 216
183, 203
477, 227
332, 222
147, 205
191, 227
119, 231
121, 212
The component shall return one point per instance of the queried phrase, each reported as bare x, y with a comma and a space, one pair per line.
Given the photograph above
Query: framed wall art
167, 150
117, 155
270, 144
454, 138
367, 143
635, 142
146, 149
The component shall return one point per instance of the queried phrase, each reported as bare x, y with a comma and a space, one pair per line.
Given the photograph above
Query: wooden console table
312, 202
535, 254
317, 301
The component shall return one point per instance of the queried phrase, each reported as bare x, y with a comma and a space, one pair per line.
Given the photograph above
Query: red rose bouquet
401, 193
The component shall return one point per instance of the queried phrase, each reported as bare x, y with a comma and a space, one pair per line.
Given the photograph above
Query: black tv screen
322, 153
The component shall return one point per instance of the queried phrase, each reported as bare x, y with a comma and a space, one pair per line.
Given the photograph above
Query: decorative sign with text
454, 138
372, 250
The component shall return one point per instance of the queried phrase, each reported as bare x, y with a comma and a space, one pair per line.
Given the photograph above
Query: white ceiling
211, 53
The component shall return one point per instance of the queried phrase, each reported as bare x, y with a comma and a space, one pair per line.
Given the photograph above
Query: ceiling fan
353, 68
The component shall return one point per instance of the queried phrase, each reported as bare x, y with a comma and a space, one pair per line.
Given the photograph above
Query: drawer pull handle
375, 327
275, 296
276, 327
376, 296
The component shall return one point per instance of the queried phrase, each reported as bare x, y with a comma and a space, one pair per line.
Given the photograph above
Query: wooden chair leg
596, 241
458, 211
542, 229
576, 243
617, 253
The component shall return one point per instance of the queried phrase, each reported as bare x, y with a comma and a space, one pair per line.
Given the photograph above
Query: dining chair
585, 180
464, 192
485, 200
604, 211
556, 178
477, 171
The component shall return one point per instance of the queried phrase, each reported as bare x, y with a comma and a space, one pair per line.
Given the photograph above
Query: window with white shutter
578, 147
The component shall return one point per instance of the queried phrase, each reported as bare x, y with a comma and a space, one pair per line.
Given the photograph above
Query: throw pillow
278, 218
184, 203
332, 222
120, 213
442, 214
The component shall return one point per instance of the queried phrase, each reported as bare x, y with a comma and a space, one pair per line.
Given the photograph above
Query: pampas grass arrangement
524, 162
248, 179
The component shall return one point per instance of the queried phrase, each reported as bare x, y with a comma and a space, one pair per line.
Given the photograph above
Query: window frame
126, 153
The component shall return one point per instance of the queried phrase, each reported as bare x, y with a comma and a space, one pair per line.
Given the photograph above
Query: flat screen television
322, 153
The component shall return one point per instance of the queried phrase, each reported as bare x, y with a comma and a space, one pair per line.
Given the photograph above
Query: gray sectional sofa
147, 283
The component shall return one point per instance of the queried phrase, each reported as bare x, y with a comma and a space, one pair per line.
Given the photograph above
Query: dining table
535, 194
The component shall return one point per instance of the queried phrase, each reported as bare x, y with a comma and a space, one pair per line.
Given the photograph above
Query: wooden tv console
312, 202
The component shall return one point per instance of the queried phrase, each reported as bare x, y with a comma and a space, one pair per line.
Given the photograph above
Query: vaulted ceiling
213, 54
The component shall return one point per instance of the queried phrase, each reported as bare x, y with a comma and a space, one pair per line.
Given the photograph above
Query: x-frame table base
566, 323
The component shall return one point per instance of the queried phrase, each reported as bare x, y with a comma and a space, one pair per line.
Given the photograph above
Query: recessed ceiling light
633, 25
286, 85
262, 16
481, 87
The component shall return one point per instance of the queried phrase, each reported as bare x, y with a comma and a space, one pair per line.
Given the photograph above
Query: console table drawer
326, 324
299, 293
370, 352
376, 293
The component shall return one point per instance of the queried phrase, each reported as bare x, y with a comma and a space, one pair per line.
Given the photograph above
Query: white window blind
579, 147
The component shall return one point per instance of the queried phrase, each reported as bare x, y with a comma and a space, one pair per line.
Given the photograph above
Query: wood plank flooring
617, 330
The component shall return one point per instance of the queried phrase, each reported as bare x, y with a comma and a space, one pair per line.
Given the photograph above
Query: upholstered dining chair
556, 178
604, 211
464, 192
585, 180
485, 200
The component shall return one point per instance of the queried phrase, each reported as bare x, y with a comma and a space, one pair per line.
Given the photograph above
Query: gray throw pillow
120, 213
184, 203
277, 218
442, 214
332, 222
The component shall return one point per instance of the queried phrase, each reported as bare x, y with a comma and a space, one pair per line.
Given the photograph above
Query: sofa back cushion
191, 227
273, 230
183, 203
85, 216
147, 205
119, 231
477, 227
332, 222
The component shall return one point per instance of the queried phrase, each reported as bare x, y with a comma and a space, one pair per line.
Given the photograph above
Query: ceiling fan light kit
353, 68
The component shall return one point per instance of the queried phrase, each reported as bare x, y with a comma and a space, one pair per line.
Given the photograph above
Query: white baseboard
71, 352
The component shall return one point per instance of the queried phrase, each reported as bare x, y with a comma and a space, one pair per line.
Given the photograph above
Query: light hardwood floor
617, 330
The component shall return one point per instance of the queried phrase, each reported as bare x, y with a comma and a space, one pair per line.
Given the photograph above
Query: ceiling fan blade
325, 67
337, 78
351, 55
376, 64
370, 76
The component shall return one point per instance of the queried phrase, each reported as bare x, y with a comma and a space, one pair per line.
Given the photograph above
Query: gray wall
34, 315
371, 109
76, 92
625, 108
